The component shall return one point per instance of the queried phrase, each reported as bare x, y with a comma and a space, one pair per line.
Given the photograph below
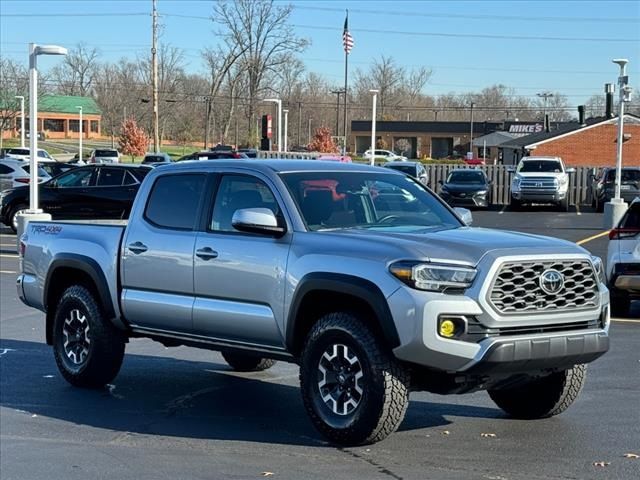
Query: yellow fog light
447, 328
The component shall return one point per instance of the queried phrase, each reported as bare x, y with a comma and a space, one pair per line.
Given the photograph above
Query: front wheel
87, 348
352, 387
13, 216
564, 205
542, 397
515, 204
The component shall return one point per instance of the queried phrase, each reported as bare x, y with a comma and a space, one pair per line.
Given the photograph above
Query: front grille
516, 289
539, 184
477, 331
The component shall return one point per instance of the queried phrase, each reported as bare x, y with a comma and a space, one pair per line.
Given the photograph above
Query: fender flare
86, 265
361, 288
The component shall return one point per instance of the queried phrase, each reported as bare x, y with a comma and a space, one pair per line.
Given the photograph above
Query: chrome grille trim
516, 290
539, 184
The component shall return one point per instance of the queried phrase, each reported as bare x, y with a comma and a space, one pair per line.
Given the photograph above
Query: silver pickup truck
360, 275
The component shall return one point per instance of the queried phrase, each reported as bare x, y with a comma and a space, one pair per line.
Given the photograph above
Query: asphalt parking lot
182, 413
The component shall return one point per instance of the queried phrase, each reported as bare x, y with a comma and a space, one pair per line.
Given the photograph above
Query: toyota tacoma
360, 275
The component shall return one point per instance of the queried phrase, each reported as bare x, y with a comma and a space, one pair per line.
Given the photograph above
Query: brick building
59, 117
593, 144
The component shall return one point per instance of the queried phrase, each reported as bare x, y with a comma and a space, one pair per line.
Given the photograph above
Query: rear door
157, 260
240, 277
6, 177
113, 193
66, 196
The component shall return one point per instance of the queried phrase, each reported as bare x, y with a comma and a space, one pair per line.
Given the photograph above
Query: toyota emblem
551, 281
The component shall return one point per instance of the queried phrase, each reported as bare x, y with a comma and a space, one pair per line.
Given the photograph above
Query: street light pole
309, 131
615, 209
471, 132
545, 96
373, 125
286, 125
21, 120
80, 136
279, 103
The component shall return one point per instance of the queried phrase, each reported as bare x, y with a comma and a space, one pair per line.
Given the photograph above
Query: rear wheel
542, 397
564, 205
246, 362
88, 349
353, 388
13, 216
515, 204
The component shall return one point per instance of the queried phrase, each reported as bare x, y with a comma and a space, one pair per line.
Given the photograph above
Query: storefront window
54, 124
94, 126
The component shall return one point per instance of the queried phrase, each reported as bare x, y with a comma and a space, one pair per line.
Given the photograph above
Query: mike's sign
526, 128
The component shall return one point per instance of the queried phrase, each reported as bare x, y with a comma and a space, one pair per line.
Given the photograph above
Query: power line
92, 14
480, 17
469, 35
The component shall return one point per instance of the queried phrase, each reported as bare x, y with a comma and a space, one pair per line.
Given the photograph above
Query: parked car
25, 153
623, 261
210, 155
603, 187
541, 180
474, 161
373, 295
249, 152
413, 169
155, 158
104, 155
335, 158
14, 173
223, 148
385, 155
467, 188
90, 192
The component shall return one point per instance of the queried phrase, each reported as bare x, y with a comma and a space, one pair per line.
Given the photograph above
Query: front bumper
541, 196
495, 344
467, 201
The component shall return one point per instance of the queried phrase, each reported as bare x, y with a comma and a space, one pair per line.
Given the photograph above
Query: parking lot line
594, 237
624, 320
9, 255
578, 209
8, 271
503, 209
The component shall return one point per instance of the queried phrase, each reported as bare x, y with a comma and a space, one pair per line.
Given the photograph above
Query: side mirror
570, 170
465, 215
440, 182
257, 220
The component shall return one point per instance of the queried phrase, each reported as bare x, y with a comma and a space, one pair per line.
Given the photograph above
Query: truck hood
466, 244
540, 174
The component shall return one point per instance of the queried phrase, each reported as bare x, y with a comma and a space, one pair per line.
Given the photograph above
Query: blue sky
575, 67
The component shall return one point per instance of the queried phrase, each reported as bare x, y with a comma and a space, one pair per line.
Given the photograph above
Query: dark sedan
466, 188
603, 186
210, 155
92, 192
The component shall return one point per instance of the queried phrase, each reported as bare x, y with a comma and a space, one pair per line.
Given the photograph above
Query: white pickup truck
541, 180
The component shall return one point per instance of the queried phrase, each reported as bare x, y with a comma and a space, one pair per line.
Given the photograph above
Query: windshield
627, 175
476, 178
406, 169
154, 159
371, 200
18, 151
540, 166
41, 171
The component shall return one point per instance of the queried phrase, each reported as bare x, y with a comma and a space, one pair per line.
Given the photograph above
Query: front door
157, 260
240, 277
65, 198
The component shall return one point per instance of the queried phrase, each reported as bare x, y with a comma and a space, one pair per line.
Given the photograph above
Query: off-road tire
105, 347
14, 212
543, 397
384, 382
245, 362
515, 205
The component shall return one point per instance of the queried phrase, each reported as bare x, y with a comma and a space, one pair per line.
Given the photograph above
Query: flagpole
346, 91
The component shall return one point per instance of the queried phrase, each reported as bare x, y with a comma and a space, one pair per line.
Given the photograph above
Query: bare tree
595, 106
14, 80
260, 30
77, 72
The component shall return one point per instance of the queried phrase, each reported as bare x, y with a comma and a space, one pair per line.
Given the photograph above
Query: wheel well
61, 279
317, 303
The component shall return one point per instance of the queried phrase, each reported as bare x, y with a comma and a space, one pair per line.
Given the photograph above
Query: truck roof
275, 165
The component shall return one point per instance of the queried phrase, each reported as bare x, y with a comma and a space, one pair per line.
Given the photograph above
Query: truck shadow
179, 398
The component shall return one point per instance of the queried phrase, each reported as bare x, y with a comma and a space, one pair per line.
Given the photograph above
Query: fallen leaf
601, 464
631, 455
267, 474
446, 432
488, 435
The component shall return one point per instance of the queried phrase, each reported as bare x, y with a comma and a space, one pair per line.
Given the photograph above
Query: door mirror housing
511, 169
257, 220
465, 215
570, 170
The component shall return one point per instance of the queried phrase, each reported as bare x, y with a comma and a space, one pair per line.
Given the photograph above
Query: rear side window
41, 171
632, 217
4, 169
106, 153
110, 177
174, 199
140, 173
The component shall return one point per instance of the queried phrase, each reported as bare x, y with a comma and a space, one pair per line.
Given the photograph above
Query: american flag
347, 39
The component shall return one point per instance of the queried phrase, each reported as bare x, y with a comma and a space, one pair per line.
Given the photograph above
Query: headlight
599, 267
515, 184
432, 276
481, 193
563, 180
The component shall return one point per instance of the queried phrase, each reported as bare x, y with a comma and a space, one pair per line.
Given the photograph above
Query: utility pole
154, 67
471, 133
299, 121
545, 96
309, 130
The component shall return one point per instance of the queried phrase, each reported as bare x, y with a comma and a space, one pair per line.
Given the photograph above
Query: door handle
137, 247
206, 253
